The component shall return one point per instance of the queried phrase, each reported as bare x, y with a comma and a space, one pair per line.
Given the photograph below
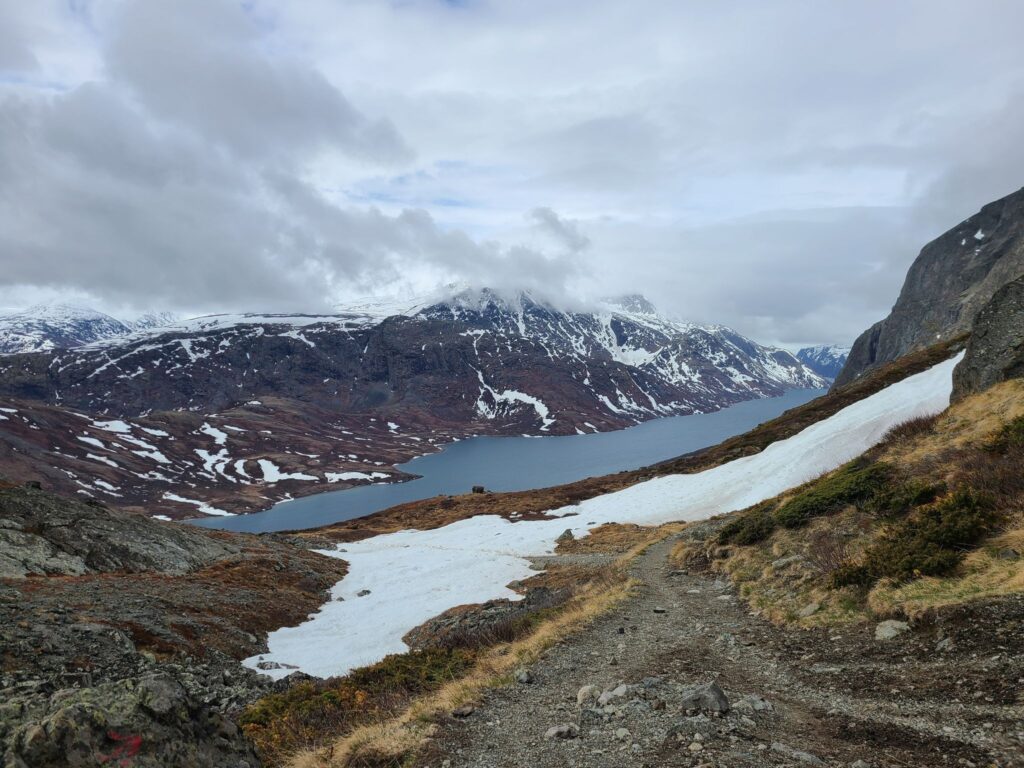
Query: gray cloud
771, 167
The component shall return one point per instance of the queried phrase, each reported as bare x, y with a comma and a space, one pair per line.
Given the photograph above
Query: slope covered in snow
415, 575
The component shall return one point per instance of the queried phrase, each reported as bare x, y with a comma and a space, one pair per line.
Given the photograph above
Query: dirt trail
798, 697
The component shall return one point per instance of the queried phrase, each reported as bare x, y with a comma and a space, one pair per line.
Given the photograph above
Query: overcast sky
770, 165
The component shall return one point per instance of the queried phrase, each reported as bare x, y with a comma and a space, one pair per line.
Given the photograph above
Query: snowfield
415, 575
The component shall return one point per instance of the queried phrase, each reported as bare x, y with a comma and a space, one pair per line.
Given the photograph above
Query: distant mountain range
63, 326
826, 361
325, 398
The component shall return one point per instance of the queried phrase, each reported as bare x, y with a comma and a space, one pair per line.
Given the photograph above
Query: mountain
152, 320
63, 326
242, 410
826, 361
55, 326
952, 278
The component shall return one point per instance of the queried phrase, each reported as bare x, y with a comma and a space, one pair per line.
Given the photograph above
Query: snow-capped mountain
64, 326
55, 326
223, 402
826, 360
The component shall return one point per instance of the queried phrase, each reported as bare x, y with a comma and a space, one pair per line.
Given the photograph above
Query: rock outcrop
45, 535
995, 351
954, 276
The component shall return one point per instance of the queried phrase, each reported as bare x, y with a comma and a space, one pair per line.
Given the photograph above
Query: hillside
227, 414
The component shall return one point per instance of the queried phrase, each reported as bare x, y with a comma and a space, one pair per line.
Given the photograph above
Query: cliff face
954, 276
996, 349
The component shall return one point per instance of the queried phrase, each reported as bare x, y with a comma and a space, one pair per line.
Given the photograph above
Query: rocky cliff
954, 276
995, 351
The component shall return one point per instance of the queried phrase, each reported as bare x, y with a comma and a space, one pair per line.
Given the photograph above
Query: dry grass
389, 743
972, 448
985, 574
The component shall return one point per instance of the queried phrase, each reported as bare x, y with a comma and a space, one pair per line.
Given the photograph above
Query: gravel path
797, 697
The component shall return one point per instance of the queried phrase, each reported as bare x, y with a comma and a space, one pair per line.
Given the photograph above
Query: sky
770, 166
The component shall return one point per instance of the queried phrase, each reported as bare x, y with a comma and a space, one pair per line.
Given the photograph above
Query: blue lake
520, 463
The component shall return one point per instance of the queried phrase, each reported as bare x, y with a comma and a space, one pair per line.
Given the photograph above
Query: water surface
519, 464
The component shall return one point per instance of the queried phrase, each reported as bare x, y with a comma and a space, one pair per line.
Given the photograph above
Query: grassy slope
932, 517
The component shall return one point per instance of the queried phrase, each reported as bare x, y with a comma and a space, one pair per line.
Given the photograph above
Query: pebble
891, 628
562, 731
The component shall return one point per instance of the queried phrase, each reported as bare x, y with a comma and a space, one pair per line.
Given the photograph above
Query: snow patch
414, 575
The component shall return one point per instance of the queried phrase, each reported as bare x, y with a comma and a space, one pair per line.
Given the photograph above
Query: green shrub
852, 483
1009, 437
930, 542
898, 499
752, 526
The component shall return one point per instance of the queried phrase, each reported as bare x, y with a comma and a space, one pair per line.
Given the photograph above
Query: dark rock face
41, 534
995, 351
954, 276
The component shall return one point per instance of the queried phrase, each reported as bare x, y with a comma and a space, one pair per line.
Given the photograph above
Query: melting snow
93, 442
113, 426
334, 477
218, 436
272, 473
415, 575
201, 505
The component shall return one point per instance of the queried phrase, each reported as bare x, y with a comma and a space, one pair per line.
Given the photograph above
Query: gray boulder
705, 698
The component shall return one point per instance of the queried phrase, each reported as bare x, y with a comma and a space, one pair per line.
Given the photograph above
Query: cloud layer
771, 167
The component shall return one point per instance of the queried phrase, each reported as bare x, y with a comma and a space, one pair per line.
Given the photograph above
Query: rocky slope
954, 276
256, 408
120, 635
826, 361
995, 351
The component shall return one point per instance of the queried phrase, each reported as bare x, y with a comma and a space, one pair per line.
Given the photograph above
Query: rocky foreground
121, 636
681, 674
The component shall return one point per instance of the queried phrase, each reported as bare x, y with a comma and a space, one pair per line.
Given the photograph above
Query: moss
852, 483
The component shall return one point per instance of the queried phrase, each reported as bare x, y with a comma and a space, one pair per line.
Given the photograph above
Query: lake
519, 464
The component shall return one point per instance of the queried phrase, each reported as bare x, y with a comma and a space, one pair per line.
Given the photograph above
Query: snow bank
415, 575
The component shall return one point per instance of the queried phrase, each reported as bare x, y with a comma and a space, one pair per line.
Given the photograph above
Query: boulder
891, 628
705, 698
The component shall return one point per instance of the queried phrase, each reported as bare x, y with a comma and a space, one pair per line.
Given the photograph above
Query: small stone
562, 731
464, 711
945, 644
809, 610
796, 754
860, 764
362, 593
524, 676
565, 536
887, 630
586, 695
614, 694
659, 609
622, 734
695, 746
753, 703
